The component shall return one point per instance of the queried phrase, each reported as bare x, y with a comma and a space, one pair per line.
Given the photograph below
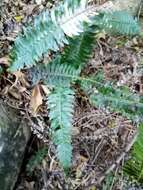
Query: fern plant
50, 31
134, 166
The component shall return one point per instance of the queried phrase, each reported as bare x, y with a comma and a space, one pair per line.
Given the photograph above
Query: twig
119, 159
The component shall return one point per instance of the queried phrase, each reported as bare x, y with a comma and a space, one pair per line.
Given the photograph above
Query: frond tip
61, 107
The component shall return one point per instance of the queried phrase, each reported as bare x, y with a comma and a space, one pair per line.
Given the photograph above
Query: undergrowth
71, 25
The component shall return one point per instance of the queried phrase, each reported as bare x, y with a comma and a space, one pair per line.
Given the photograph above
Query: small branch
119, 159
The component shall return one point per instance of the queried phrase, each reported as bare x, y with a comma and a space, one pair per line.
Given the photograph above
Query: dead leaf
14, 93
4, 61
22, 89
36, 99
18, 75
45, 89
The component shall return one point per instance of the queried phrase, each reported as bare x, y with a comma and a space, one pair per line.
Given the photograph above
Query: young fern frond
61, 107
134, 166
50, 31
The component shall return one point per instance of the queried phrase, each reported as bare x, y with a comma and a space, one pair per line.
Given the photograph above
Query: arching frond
51, 28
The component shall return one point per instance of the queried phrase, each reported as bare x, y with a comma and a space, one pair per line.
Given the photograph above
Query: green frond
48, 32
134, 167
80, 48
66, 68
119, 99
117, 22
54, 74
61, 107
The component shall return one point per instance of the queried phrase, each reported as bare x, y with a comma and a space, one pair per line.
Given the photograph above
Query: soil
100, 138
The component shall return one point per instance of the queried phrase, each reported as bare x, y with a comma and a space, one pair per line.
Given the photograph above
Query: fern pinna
50, 31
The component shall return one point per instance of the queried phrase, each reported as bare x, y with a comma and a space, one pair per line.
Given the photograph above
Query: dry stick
98, 149
119, 159
113, 181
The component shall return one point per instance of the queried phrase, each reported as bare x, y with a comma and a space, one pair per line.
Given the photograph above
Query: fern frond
54, 73
118, 22
80, 48
50, 29
134, 167
48, 33
120, 99
67, 67
61, 107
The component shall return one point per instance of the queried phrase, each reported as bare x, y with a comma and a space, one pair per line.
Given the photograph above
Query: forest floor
100, 138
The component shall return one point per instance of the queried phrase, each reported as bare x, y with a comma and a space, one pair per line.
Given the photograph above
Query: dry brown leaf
4, 60
36, 99
18, 75
22, 89
14, 93
45, 89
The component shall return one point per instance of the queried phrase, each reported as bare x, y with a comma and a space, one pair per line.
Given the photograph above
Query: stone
14, 135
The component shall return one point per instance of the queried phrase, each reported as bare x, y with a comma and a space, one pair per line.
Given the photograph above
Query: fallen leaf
36, 99
20, 77
14, 93
4, 61
22, 89
45, 89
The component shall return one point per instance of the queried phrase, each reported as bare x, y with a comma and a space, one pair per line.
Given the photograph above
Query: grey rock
14, 135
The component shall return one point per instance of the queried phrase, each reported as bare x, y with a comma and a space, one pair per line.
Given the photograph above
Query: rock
14, 135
